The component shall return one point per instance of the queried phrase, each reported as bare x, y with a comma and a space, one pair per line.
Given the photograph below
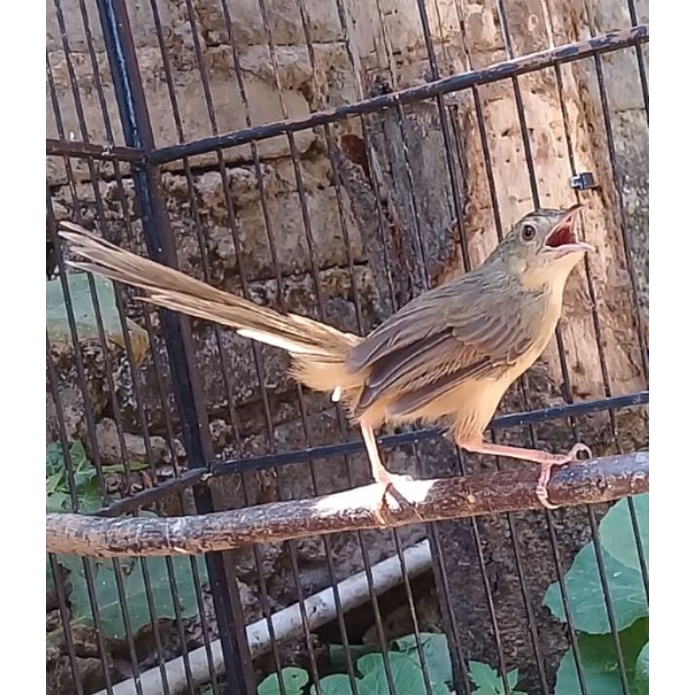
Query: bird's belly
476, 404
470, 407
472, 404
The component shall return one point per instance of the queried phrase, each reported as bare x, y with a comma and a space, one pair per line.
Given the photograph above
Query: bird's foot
393, 491
549, 462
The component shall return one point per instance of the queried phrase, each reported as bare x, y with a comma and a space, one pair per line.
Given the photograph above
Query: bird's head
542, 248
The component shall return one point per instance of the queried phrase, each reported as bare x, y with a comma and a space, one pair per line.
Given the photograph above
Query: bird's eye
528, 232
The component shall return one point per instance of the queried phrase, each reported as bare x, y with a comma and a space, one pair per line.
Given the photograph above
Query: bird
447, 357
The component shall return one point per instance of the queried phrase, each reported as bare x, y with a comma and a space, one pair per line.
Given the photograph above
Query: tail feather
319, 351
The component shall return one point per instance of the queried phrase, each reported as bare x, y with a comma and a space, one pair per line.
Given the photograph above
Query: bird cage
334, 159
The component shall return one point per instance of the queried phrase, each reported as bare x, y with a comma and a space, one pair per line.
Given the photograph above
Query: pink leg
379, 472
546, 460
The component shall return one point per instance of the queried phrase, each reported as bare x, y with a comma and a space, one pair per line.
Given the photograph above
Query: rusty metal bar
510, 68
69, 148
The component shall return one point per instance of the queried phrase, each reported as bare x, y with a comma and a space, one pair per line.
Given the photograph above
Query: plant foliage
402, 665
597, 647
120, 588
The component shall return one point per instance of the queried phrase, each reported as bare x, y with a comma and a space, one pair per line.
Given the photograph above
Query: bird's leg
546, 460
379, 472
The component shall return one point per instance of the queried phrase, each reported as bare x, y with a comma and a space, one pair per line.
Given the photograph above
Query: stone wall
378, 201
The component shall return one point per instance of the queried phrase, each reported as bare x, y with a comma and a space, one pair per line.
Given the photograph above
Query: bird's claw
577, 449
391, 483
557, 460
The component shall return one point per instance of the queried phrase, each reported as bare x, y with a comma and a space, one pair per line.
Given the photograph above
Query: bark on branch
589, 482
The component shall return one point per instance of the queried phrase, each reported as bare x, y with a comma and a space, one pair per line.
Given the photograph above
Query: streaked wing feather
412, 361
414, 400
418, 320
442, 341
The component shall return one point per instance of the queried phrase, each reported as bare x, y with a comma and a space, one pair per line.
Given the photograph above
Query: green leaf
54, 456
58, 497
436, 653
53, 482
370, 662
486, 678
513, 678
57, 502
108, 600
600, 663
85, 314
489, 681
294, 679
617, 533
586, 597
337, 684
89, 499
79, 456
407, 676
642, 672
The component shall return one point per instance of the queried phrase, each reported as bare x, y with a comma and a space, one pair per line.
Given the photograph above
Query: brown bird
446, 357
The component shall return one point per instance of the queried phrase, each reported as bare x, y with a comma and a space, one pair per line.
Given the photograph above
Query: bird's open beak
563, 238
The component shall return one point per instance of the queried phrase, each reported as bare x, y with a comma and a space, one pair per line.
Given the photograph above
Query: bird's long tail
319, 351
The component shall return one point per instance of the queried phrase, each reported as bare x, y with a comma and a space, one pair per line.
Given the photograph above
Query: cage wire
334, 158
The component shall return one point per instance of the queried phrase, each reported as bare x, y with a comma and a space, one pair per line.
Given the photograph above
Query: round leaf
618, 535
600, 663
436, 653
294, 679
586, 597
136, 603
337, 684
85, 316
407, 675
370, 662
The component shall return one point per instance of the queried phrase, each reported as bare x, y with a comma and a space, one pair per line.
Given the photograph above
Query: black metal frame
138, 134
146, 161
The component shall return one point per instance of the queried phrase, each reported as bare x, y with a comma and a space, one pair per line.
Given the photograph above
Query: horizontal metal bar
394, 440
216, 469
87, 149
535, 61
153, 494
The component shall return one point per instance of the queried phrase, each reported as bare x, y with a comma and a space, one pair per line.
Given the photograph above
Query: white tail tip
274, 340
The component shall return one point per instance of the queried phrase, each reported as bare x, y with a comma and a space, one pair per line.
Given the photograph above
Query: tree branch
586, 482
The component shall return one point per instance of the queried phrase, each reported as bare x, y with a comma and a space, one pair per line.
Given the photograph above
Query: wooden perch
586, 482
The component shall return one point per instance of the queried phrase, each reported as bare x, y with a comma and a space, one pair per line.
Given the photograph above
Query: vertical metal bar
117, 418
138, 398
225, 370
446, 135
597, 328
644, 82
137, 131
434, 71
451, 628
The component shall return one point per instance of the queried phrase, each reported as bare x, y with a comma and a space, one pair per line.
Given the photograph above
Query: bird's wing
463, 330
